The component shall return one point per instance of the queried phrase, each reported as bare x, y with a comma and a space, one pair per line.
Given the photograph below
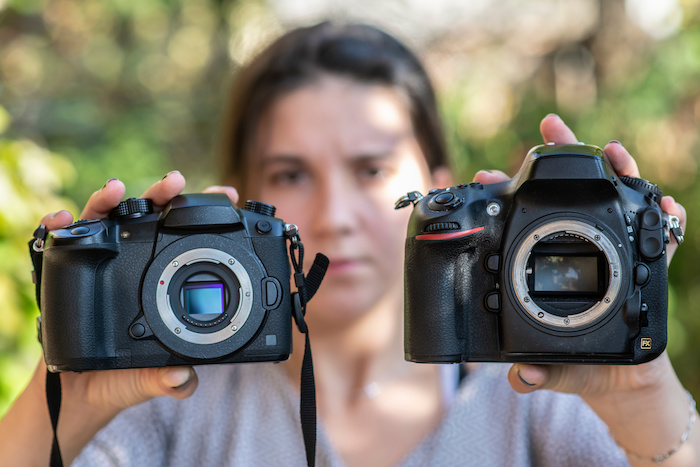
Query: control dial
259, 207
641, 185
132, 208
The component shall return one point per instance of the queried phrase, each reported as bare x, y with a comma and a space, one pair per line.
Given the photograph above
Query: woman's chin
338, 310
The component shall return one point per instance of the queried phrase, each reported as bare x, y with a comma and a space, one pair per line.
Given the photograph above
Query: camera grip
443, 321
71, 302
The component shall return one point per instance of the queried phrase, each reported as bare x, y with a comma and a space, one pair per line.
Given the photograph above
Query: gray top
247, 415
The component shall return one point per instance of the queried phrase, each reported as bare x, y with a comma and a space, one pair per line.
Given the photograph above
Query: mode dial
132, 208
259, 207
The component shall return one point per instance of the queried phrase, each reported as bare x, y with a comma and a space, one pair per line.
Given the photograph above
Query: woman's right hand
91, 399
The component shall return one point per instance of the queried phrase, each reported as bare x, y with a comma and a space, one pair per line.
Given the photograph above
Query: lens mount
587, 233
200, 257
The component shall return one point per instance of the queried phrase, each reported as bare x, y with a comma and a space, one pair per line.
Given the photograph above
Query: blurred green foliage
133, 89
30, 179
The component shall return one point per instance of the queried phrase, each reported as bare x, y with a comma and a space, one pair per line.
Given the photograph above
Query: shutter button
444, 198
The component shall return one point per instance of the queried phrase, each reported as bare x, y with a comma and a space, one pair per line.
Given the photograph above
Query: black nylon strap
307, 404
307, 286
315, 276
53, 398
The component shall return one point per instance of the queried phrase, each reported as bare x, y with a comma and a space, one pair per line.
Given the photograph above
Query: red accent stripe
448, 236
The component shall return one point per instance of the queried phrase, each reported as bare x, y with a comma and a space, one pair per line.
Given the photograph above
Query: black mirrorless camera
564, 263
201, 282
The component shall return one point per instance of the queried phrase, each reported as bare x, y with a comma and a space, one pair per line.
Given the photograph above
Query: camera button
493, 263
444, 198
651, 219
492, 301
263, 227
138, 330
82, 230
641, 274
272, 291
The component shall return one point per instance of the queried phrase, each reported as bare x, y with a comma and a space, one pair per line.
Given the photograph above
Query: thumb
563, 378
178, 382
140, 385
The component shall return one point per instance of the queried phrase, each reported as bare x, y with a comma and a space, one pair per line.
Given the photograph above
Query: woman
331, 124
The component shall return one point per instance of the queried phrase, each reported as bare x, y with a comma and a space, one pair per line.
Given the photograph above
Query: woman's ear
441, 177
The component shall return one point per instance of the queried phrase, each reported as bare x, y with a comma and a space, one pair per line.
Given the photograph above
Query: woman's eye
372, 172
288, 177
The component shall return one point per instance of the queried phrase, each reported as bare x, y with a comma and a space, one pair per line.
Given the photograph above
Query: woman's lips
342, 266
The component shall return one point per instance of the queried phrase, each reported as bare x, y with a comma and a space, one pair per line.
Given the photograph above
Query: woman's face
333, 157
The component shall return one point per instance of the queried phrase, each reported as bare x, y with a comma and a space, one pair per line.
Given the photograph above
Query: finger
230, 191
554, 130
178, 382
104, 200
528, 378
139, 385
165, 189
486, 177
621, 160
56, 220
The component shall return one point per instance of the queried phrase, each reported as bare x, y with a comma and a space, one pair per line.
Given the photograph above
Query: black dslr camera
201, 282
564, 263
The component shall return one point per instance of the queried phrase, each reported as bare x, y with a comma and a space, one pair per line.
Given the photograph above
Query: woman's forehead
335, 114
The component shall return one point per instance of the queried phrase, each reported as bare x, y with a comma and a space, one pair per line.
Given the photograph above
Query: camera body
564, 263
201, 282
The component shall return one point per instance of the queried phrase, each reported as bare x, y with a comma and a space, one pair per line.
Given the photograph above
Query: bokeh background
94, 89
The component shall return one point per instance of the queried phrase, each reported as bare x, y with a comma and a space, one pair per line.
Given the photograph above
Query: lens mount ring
190, 257
592, 235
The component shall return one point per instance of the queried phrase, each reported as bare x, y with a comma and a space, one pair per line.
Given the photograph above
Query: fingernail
177, 378
170, 173
614, 141
524, 381
108, 182
554, 115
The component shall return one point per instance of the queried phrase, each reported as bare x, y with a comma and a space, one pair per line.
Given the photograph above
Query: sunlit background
94, 89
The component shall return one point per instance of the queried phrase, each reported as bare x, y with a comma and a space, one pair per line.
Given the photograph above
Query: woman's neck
353, 359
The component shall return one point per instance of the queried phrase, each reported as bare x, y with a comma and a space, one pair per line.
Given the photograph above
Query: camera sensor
204, 301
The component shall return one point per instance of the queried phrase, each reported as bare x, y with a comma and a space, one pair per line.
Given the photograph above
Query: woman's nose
336, 204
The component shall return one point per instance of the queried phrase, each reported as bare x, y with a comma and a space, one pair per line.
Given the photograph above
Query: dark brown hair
359, 52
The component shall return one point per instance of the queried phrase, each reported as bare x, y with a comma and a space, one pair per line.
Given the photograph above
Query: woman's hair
358, 52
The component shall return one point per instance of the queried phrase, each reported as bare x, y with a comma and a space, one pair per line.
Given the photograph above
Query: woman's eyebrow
270, 159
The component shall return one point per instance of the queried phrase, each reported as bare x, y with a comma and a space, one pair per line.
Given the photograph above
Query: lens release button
273, 293
641, 274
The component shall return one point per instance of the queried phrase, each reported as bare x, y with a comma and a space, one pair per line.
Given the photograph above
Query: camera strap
306, 289
53, 380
